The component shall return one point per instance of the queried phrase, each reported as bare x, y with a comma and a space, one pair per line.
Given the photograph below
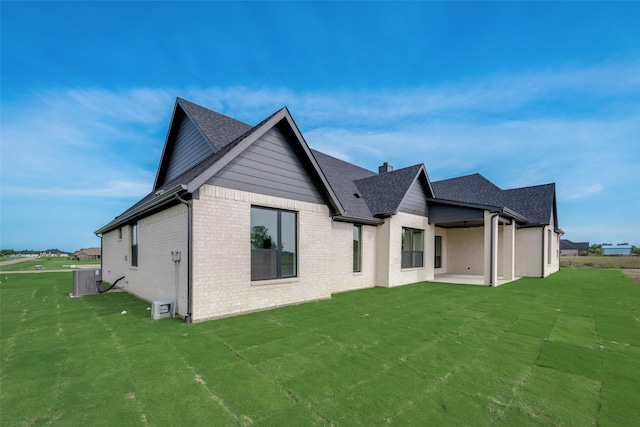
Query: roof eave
356, 220
162, 199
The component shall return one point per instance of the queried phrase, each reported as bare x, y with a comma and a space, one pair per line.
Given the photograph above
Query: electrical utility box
161, 309
86, 281
176, 255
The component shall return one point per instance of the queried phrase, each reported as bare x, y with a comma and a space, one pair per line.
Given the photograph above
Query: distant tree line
7, 252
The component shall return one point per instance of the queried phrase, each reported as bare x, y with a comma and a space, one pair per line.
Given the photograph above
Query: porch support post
509, 251
490, 248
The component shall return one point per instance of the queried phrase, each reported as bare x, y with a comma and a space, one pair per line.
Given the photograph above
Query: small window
357, 248
273, 243
134, 245
119, 233
412, 248
437, 262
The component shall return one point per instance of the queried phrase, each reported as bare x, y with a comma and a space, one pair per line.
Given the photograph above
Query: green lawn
616, 262
561, 351
48, 263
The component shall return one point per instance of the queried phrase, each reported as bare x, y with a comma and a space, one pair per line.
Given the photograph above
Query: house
569, 248
617, 250
87, 254
53, 253
244, 218
29, 254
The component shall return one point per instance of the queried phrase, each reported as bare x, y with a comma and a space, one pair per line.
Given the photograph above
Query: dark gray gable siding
415, 201
270, 166
189, 149
444, 214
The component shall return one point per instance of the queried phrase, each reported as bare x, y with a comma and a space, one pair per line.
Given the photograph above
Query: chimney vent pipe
386, 167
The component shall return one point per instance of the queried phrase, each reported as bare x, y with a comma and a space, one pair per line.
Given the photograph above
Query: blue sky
523, 93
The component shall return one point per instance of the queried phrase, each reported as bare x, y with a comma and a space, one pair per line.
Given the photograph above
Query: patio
467, 279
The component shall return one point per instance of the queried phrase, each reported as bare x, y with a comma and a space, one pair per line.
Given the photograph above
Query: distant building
53, 252
569, 248
30, 254
88, 253
617, 250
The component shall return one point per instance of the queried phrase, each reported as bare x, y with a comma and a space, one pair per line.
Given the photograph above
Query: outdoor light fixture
464, 227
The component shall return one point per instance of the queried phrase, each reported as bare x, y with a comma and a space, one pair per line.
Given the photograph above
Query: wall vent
161, 309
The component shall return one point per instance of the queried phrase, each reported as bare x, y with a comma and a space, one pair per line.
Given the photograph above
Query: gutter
354, 220
188, 317
161, 199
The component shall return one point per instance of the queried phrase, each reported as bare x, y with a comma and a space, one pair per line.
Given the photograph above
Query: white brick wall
222, 283
465, 251
529, 252
340, 273
154, 278
389, 254
115, 255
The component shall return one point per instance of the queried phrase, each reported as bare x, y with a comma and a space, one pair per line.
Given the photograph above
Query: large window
437, 262
357, 248
134, 245
273, 243
412, 248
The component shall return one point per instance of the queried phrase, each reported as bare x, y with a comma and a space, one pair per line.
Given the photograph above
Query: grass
616, 262
558, 351
48, 263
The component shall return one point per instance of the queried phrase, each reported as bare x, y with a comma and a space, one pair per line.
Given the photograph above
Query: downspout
187, 317
101, 250
542, 260
101, 265
491, 278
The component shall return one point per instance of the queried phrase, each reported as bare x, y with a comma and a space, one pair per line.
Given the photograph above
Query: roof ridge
391, 173
531, 186
184, 101
314, 151
477, 174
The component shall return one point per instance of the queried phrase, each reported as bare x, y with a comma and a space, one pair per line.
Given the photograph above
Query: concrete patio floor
466, 279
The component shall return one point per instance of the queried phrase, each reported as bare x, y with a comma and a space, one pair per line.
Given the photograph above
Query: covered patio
478, 242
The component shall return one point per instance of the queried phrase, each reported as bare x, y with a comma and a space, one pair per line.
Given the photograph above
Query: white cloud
106, 144
581, 191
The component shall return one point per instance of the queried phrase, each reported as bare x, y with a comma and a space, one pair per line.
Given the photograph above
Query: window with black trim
437, 262
273, 243
134, 245
357, 248
412, 248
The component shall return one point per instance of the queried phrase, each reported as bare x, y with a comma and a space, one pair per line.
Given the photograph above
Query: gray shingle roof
384, 192
206, 120
568, 244
342, 177
535, 203
473, 188
219, 129
363, 194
